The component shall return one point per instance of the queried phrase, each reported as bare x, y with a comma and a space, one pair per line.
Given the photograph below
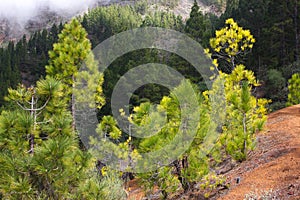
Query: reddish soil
135, 193
275, 163
274, 166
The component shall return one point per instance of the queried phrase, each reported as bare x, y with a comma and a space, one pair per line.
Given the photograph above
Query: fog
23, 10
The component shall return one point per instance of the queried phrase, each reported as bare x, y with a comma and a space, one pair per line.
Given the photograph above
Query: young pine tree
294, 90
245, 115
71, 53
40, 156
198, 26
230, 45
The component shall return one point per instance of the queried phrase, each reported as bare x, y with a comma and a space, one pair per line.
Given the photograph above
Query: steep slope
274, 167
272, 170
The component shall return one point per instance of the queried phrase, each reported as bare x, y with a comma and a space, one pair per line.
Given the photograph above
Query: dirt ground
272, 169
274, 166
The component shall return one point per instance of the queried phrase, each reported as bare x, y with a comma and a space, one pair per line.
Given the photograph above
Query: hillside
272, 169
49, 149
275, 164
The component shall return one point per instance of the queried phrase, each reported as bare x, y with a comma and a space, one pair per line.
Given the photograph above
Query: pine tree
40, 155
231, 44
189, 167
69, 54
245, 115
294, 90
198, 26
247, 13
38, 146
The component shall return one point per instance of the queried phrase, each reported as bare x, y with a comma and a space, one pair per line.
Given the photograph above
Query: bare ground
275, 163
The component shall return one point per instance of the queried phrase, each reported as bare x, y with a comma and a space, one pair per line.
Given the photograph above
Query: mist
16, 14
23, 10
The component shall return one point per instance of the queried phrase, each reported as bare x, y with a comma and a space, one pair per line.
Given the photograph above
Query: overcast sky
25, 9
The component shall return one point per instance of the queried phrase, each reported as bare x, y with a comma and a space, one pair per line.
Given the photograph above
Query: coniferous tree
198, 26
294, 91
230, 45
69, 54
245, 115
57, 169
40, 156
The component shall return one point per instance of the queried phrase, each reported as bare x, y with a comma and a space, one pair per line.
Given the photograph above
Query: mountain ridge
12, 29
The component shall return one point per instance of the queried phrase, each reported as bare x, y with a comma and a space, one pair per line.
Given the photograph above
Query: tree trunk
33, 116
73, 105
245, 135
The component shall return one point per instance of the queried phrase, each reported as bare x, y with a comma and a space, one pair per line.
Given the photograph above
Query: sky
22, 10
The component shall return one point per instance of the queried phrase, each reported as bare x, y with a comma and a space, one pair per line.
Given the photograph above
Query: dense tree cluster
25, 60
275, 25
9, 69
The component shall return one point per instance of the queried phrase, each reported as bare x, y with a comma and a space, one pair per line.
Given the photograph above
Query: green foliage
231, 44
189, 167
88, 84
72, 62
245, 115
40, 155
108, 126
163, 20
42, 106
277, 35
9, 69
112, 186
210, 182
198, 26
58, 169
103, 22
162, 178
68, 54
141, 6
39, 138
294, 90
276, 89
25, 60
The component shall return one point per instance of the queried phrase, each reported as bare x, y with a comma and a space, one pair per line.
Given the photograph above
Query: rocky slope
13, 29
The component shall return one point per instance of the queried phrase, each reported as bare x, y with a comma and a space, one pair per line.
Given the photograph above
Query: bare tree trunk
34, 113
245, 135
33, 116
